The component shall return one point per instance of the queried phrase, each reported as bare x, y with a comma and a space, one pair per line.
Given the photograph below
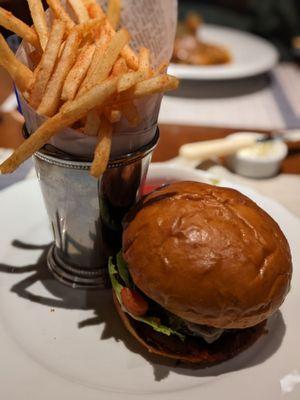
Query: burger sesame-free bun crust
207, 254
192, 350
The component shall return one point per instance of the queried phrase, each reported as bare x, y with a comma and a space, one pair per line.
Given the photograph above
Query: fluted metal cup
85, 213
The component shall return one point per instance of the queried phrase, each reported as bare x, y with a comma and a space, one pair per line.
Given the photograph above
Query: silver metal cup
85, 213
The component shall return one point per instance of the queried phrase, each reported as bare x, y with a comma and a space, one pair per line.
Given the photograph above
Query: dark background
276, 20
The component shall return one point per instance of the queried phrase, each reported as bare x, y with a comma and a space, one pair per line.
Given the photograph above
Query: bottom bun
192, 350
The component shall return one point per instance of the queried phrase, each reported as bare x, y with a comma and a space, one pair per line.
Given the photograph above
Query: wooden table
171, 138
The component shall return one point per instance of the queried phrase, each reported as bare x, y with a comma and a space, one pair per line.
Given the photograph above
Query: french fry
130, 57
161, 83
97, 57
39, 21
73, 112
144, 61
102, 152
112, 115
102, 67
60, 13
161, 69
51, 98
92, 123
114, 13
10, 22
120, 67
130, 79
95, 10
21, 74
78, 72
148, 87
79, 10
47, 63
90, 27
127, 52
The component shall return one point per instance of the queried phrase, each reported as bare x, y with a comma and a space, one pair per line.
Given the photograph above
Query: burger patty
196, 349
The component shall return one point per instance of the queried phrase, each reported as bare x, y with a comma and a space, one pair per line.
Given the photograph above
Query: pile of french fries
85, 74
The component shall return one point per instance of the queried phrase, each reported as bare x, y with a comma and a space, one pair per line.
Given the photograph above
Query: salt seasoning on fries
80, 10
39, 21
93, 8
129, 55
50, 101
60, 13
84, 72
47, 63
102, 68
73, 112
78, 72
102, 152
114, 13
13, 24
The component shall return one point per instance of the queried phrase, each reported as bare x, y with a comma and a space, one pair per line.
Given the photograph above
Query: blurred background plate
251, 54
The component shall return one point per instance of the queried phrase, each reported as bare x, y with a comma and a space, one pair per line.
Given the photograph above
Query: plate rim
197, 73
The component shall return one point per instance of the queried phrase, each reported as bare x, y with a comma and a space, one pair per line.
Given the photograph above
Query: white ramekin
257, 166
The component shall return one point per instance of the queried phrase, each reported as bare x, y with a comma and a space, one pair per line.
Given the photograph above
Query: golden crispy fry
92, 123
161, 83
162, 68
21, 74
157, 84
131, 58
120, 67
50, 101
112, 115
60, 13
39, 21
78, 72
94, 10
92, 26
129, 80
130, 112
102, 152
144, 61
47, 63
97, 57
79, 10
73, 112
10, 22
129, 55
114, 12
100, 70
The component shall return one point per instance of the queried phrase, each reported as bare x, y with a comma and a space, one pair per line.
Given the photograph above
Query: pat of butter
262, 150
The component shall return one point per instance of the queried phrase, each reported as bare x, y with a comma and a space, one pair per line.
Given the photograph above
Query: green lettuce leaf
159, 327
117, 287
123, 269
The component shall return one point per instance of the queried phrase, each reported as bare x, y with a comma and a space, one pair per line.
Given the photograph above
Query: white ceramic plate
252, 55
59, 343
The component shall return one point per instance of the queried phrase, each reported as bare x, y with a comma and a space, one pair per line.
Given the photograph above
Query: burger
201, 270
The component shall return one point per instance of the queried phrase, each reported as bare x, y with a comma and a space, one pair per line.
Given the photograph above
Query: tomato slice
134, 303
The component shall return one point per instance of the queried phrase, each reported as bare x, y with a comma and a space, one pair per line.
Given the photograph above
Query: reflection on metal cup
85, 213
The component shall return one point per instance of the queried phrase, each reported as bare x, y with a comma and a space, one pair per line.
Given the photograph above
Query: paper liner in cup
151, 24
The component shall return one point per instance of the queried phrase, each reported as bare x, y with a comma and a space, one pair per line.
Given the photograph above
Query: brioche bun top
207, 254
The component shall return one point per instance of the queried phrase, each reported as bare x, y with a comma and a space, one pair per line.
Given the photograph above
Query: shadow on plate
101, 303
195, 89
